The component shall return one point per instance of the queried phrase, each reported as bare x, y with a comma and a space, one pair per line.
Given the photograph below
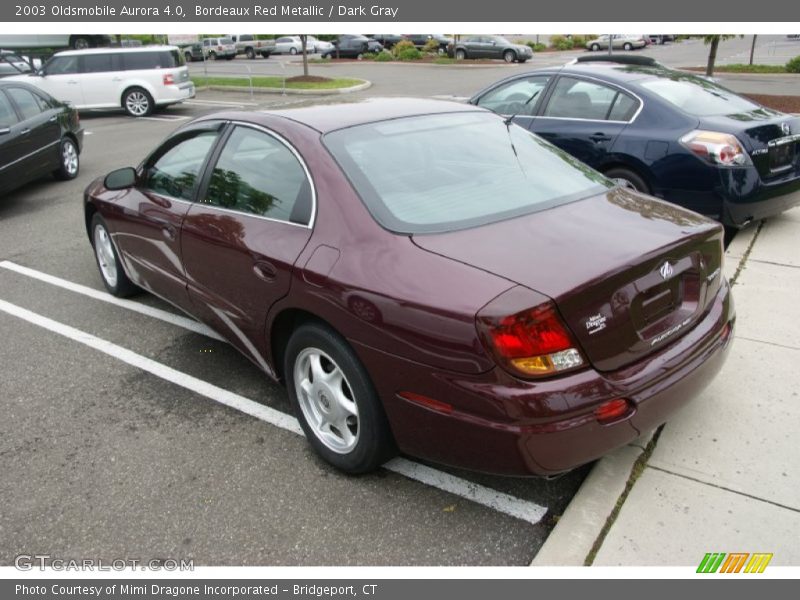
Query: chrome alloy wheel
327, 401
105, 255
69, 158
137, 103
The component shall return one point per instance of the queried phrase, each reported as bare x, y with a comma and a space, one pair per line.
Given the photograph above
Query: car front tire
250, 53
594, 47
335, 401
461, 55
292, 50
627, 46
69, 160
509, 56
105, 253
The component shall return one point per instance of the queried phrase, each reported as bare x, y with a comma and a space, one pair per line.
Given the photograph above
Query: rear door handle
265, 270
24, 131
600, 137
53, 119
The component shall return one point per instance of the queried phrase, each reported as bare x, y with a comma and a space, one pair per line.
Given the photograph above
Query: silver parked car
290, 44
618, 42
219, 48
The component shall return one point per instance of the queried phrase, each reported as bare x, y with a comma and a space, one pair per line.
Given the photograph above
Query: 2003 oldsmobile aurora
426, 277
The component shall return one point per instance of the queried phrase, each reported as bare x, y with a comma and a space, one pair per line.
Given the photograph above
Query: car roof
133, 49
615, 72
330, 117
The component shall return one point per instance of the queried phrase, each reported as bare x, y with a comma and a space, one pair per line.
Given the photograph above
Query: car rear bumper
172, 94
747, 197
500, 424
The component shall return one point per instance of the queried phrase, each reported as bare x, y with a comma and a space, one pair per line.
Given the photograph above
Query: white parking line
143, 309
504, 503
220, 103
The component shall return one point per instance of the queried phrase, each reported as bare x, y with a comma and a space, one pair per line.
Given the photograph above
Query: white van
136, 79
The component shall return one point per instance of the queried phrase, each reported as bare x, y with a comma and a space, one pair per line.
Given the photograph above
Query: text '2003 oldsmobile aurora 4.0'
425, 277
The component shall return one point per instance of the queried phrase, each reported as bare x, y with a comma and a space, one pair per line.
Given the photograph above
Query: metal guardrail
233, 71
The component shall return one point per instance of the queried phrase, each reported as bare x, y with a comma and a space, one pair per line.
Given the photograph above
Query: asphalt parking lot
117, 441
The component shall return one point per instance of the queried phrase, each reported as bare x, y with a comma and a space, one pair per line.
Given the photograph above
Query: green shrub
578, 41
368, 56
384, 56
535, 46
431, 47
409, 54
561, 42
402, 45
793, 66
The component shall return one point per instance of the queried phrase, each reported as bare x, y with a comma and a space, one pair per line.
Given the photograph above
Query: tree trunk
753, 49
712, 56
303, 39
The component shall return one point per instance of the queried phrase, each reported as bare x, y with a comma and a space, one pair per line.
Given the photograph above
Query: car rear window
445, 172
698, 97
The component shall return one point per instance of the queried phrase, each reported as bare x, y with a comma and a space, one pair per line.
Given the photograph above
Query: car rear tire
81, 42
594, 47
509, 56
137, 102
628, 179
111, 271
461, 55
335, 401
265, 54
69, 160
627, 46
250, 53
212, 56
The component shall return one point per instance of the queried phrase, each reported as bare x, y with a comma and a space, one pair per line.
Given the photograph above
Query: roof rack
622, 59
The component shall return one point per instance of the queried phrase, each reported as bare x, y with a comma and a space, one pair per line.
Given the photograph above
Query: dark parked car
387, 40
420, 39
663, 132
425, 276
352, 46
489, 46
38, 135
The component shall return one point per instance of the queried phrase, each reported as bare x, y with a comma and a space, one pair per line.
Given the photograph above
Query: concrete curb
573, 537
287, 91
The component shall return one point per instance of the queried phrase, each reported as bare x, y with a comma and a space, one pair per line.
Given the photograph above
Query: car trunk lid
629, 274
771, 138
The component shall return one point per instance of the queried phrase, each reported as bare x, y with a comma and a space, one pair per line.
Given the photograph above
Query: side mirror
120, 179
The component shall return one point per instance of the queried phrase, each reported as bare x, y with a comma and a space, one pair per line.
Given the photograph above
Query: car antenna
509, 119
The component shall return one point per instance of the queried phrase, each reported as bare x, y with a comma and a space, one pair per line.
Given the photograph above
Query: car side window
8, 116
173, 171
623, 109
578, 99
28, 104
99, 63
258, 174
518, 97
62, 65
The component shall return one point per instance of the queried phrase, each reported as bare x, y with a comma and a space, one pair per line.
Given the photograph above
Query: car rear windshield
698, 97
445, 172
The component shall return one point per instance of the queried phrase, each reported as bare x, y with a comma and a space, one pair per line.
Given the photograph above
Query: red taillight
532, 342
715, 147
169, 79
612, 410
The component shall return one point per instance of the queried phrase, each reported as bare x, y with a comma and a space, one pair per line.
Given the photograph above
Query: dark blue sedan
663, 132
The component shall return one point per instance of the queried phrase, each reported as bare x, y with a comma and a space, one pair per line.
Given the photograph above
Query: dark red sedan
426, 277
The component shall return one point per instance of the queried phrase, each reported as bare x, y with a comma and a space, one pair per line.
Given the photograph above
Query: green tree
713, 42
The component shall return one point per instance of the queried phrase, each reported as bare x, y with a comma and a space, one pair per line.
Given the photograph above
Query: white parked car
315, 46
290, 44
618, 42
135, 79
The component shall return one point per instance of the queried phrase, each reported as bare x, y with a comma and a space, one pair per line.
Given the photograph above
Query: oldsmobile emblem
666, 270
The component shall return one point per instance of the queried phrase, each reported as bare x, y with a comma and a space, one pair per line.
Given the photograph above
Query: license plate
781, 157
